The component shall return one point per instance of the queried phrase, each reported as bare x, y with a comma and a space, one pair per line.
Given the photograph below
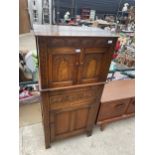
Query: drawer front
131, 107
112, 109
74, 97
80, 42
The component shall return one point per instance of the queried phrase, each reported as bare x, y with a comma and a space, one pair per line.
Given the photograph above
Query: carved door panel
62, 66
95, 65
69, 122
62, 123
81, 117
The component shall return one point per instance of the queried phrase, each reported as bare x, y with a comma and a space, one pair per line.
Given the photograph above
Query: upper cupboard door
96, 62
62, 68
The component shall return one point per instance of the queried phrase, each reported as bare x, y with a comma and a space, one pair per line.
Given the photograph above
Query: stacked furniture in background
85, 14
74, 63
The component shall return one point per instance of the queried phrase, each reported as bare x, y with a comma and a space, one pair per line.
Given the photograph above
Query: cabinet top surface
70, 31
120, 89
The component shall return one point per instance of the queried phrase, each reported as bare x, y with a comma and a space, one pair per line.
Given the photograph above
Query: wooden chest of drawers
117, 102
73, 63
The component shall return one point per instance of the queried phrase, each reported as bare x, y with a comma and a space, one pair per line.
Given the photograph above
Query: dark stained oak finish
71, 111
73, 64
117, 102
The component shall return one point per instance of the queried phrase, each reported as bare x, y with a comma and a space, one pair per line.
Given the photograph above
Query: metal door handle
110, 41
78, 50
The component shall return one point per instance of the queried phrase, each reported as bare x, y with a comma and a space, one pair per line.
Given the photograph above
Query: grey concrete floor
116, 139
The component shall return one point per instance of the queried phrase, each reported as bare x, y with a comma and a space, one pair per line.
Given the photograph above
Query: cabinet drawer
131, 107
112, 109
80, 42
74, 97
97, 42
94, 50
63, 42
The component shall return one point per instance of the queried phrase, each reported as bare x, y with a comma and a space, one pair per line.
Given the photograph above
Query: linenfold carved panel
61, 68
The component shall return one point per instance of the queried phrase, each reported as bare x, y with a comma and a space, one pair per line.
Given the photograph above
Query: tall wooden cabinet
73, 63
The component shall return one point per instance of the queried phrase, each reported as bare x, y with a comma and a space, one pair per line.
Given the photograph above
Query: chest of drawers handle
119, 105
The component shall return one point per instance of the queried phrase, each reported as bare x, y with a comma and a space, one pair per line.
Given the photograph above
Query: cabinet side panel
107, 61
43, 67
94, 109
45, 115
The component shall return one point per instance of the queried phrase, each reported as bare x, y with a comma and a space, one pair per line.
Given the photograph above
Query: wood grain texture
74, 109
73, 65
113, 109
117, 102
43, 63
131, 107
46, 118
120, 89
64, 66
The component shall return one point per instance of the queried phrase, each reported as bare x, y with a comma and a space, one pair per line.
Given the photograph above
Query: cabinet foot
89, 133
102, 127
47, 146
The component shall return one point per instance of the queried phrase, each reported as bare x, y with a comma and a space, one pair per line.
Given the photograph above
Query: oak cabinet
73, 64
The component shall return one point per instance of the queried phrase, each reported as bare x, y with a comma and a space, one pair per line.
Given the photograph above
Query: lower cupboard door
67, 123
